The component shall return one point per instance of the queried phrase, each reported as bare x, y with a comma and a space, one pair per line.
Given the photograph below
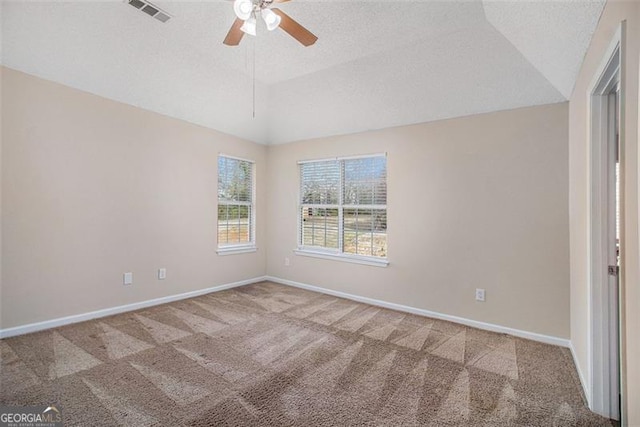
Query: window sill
376, 262
232, 250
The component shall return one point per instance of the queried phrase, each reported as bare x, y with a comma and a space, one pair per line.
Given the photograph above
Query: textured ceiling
376, 63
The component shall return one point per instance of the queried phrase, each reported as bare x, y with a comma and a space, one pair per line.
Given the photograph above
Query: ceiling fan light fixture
249, 26
243, 9
271, 19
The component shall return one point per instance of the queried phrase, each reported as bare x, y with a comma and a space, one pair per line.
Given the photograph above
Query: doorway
605, 237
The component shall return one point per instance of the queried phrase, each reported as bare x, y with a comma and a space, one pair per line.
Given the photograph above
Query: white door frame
604, 310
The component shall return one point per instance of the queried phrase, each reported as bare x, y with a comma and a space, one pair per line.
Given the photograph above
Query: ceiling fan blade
294, 29
235, 34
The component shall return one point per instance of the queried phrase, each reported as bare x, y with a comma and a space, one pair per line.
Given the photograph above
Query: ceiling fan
247, 12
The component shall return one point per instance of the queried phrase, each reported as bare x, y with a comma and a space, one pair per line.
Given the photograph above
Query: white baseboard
54, 323
547, 339
48, 324
583, 382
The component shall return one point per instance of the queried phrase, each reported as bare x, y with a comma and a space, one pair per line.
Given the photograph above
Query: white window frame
239, 248
337, 254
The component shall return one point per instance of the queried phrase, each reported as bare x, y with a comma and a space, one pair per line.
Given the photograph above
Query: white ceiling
376, 63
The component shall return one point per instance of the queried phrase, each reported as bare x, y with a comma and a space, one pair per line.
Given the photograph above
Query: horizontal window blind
235, 201
365, 181
343, 205
320, 183
235, 180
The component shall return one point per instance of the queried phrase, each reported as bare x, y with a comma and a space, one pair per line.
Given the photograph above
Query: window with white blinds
343, 206
235, 203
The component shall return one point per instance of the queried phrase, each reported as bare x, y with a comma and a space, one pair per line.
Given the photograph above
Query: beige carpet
267, 354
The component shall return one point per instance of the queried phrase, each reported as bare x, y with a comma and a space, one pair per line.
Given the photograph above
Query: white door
605, 172
613, 247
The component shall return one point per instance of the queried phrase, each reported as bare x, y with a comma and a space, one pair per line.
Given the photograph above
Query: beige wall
614, 13
92, 188
474, 202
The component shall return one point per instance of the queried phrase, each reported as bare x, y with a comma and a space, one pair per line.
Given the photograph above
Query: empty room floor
267, 354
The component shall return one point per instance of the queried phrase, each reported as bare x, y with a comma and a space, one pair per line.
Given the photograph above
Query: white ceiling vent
150, 9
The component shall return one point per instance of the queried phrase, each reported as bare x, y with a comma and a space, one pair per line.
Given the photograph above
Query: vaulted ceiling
376, 64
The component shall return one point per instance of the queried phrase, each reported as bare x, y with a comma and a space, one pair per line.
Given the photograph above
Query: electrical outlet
127, 279
162, 273
287, 262
480, 295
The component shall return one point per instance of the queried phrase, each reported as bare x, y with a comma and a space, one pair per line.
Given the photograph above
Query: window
343, 208
235, 205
